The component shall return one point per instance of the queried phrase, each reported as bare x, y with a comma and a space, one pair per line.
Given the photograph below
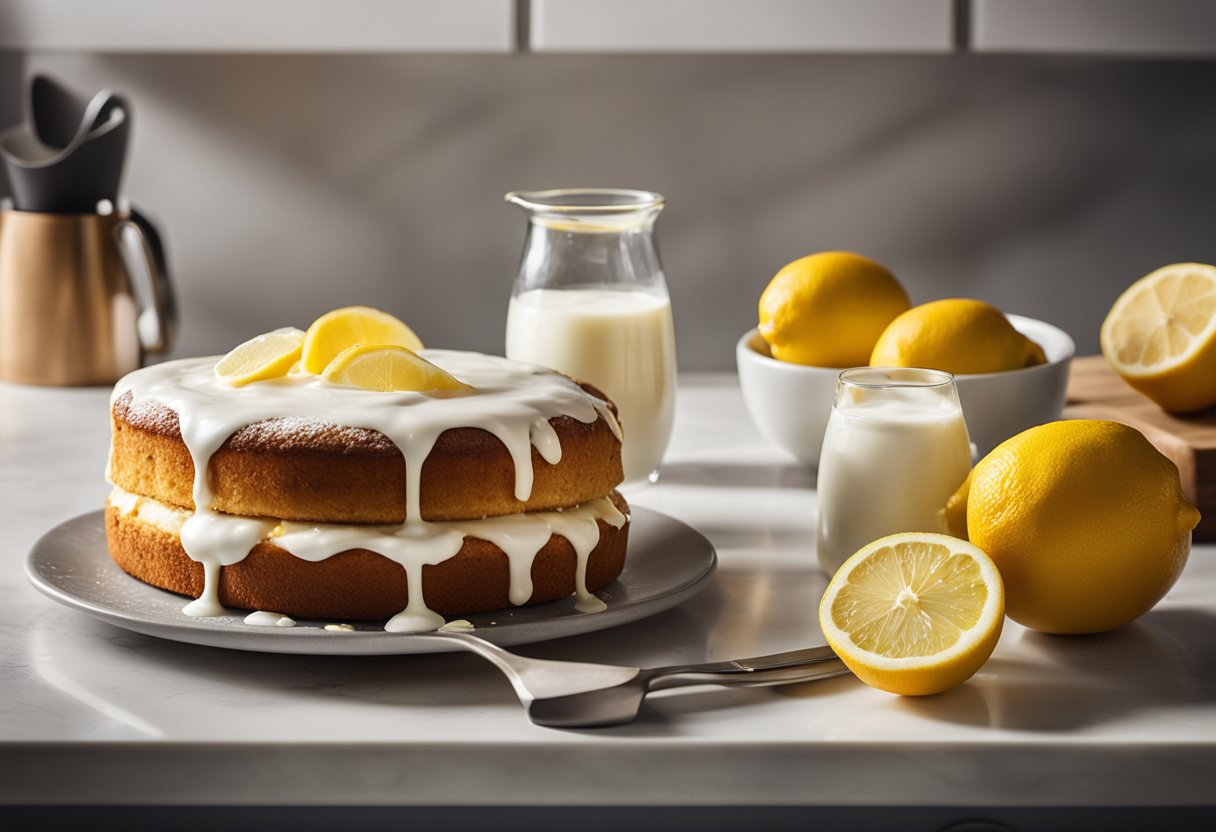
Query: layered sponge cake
334, 497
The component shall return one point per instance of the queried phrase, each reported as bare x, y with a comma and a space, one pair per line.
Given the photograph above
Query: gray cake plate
668, 563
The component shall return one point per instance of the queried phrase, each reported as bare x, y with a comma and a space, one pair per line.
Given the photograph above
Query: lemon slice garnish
386, 368
914, 613
269, 355
343, 328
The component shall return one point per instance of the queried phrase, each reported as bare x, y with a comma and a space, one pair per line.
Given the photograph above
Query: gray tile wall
290, 185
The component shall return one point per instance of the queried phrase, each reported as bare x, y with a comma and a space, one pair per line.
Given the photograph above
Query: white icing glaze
261, 618
217, 540
512, 401
419, 543
340, 628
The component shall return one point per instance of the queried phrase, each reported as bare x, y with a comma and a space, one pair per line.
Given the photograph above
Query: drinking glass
591, 301
895, 450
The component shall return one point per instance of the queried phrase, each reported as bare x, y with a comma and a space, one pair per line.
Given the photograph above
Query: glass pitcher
591, 301
894, 451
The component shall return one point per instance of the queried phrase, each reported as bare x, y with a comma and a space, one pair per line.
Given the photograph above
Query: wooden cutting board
1096, 392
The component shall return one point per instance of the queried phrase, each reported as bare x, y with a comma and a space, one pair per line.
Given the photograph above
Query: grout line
523, 25
962, 25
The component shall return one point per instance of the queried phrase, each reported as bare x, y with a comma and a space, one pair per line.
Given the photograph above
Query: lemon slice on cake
387, 368
340, 329
269, 355
914, 613
1160, 336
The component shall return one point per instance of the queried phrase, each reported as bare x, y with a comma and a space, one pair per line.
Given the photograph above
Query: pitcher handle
159, 337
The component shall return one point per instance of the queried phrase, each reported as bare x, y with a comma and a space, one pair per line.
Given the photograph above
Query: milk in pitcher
621, 341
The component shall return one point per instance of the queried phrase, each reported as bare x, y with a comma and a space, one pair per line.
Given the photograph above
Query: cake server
564, 694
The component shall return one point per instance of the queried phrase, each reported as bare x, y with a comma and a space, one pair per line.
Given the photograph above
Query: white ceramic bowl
790, 403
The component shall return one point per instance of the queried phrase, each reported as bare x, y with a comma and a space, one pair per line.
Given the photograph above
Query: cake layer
314, 471
358, 584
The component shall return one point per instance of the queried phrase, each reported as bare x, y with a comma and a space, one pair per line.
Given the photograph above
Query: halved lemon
269, 355
915, 613
387, 368
1160, 336
340, 329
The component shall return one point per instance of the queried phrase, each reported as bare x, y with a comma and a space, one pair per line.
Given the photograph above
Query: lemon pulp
911, 599
1160, 336
914, 613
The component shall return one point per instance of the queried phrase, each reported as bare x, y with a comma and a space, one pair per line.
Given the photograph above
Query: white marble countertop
90, 714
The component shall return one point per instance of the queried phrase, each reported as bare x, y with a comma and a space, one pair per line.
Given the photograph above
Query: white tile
1128, 27
260, 26
737, 26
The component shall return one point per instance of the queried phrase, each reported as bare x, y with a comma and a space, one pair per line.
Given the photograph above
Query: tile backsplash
288, 185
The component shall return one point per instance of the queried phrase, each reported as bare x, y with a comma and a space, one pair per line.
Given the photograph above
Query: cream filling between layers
216, 540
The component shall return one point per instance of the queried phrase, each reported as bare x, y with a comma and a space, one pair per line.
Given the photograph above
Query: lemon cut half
387, 368
269, 355
1160, 336
915, 613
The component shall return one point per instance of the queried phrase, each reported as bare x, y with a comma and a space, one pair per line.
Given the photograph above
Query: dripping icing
216, 540
515, 403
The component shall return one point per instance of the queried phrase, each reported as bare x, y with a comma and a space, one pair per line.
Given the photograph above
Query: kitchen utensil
563, 694
79, 304
1095, 391
69, 155
59, 117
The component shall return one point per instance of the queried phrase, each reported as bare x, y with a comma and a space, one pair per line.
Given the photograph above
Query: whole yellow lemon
1086, 521
828, 309
957, 335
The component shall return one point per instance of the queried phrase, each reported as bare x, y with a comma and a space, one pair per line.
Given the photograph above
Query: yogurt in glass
895, 450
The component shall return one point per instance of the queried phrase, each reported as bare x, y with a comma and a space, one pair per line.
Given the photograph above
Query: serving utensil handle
773, 669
